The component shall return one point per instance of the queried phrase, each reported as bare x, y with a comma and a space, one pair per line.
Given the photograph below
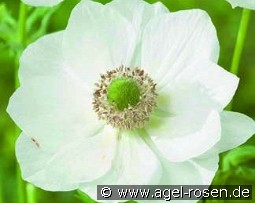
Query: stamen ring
132, 116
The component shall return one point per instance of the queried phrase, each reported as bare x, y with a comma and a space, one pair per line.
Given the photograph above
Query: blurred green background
236, 167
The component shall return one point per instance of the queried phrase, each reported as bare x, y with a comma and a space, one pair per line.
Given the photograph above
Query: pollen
125, 98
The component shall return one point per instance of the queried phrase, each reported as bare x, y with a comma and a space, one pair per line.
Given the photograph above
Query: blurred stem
240, 41
22, 41
22, 24
1, 191
21, 187
21, 36
31, 193
239, 45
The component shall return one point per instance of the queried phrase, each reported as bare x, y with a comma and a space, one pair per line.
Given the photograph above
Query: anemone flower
127, 94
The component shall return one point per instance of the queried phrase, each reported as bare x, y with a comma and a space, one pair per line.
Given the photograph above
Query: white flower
42, 2
64, 145
250, 4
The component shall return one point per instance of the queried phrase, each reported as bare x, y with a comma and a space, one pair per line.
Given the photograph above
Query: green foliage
8, 29
84, 197
38, 22
237, 168
239, 162
241, 157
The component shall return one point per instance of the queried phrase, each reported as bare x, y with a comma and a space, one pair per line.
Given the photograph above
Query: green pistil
123, 92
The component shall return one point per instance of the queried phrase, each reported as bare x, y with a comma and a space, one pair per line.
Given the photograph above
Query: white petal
207, 165
51, 106
97, 39
219, 84
78, 161
237, 128
182, 173
194, 142
184, 102
134, 164
243, 3
183, 114
187, 173
195, 172
42, 2
138, 12
41, 58
44, 58
187, 111
172, 42
32, 160
85, 159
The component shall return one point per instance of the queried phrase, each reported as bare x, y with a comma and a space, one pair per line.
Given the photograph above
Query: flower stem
1, 191
31, 193
22, 23
21, 187
239, 45
21, 37
240, 41
21, 195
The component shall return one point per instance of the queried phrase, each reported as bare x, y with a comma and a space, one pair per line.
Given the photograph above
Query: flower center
125, 98
123, 92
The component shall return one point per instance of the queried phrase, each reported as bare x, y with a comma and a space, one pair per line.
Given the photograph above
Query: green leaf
87, 199
8, 30
238, 166
84, 197
239, 157
38, 22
